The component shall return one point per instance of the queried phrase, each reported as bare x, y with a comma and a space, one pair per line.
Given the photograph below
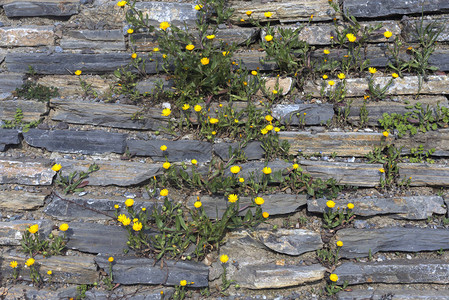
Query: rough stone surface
293, 114
252, 151
177, 14
437, 140
394, 271
32, 110
30, 292
342, 143
8, 137
28, 36
176, 150
410, 33
423, 174
255, 59
11, 232
93, 39
28, 172
21, 200
359, 242
414, 207
254, 170
284, 85
69, 85
133, 270
403, 294
9, 82
149, 85
291, 241
32, 8
70, 141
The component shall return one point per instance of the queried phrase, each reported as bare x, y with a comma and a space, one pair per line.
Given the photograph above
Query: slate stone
93, 39
275, 204
403, 294
327, 143
252, 151
141, 293
120, 173
254, 170
31, 110
149, 85
10, 82
33, 8
359, 242
108, 115
133, 270
8, 137
291, 241
423, 174
255, 60
27, 36
437, 140
394, 271
18, 201
178, 14
413, 208
70, 141
69, 86
182, 150
31, 292
384, 8
11, 232
410, 33
97, 238
26, 171
316, 114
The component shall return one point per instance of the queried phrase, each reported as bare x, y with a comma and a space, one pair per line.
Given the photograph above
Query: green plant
338, 217
18, 122
363, 115
33, 90
398, 64
419, 155
376, 91
389, 156
109, 279
73, 183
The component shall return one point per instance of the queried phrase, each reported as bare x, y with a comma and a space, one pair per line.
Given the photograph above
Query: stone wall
395, 248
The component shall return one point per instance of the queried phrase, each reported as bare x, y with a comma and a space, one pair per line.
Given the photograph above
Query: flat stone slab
291, 241
8, 137
254, 170
88, 208
149, 85
293, 114
328, 143
31, 110
121, 173
18, 201
30, 292
27, 36
413, 208
394, 271
359, 242
181, 150
108, 115
174, 13
253, 150
66, 269
276, 204
422, 174
11, 232
32, 8
253, 59
9, 82
132, 270
25, 171
97, 238
93, 39
410, 34
70, 141
403, 294
69, 85
437, 140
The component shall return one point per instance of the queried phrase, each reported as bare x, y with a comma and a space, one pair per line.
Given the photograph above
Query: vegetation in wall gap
18, 122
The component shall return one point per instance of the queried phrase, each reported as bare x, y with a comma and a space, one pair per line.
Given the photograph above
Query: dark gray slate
149, 85
97, 238
414, 207
133, 270
30, 292
383, 8
69, 141
253, 60
182, 150
10, 82
437, 140
385, 293
141, 293
424, 174
8, 137
11, 232
93, 39
89, 208
37, 9
394, 271
291, 241
276, 204
316, 114
252, 151
359, 242
410, 33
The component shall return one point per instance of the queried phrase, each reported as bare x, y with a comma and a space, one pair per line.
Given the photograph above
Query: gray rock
291, 241
395, 294
423, 174
29, 292
33, 8
10, 82
410, 33
394, 271
254, 60
132, 270
11, 232
141, 293
177, 14
252, 151
148, 85
254, 170
31, 110
18, 201
359, 242
414, 207
69, 141
437, 140
27, 36
26, 171
181, 150
293, 114
93, 39
8, 137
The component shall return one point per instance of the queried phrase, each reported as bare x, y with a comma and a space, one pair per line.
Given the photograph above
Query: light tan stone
27, 36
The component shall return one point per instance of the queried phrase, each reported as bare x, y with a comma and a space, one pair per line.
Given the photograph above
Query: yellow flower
350, 205
242, 20
197, 108
382, 170
156, 49
135, 220
205, 61
269, 118
330, 204
129, 202
144, 208
341, 76
225, 53
166, 112
372, 70
164, 25
224, 258
214, 132
164, 55
241, 179
385, 133
333, 277
185, 107
198, 7
121, 217
331, 82
235, 169
210, 37
34, 228
295, 166
110, 259
56, 167
137, 226
164, 193
121, 3
190, 47
130, 31
194, 161
394, 75
254, 73
351, 37
268, 38
163, 148
248, 13
78, 72
326, 51
275, 92
166, 165
134, 55
183, 283
64, 227
126, 221
197, 204
264, 131
213, 120
49, 272
339, 243
259, 200
265, 215
236, 120
267, 14
13, 264
388, 34
232, 198
269, 127
325, 76
30, 262
266, 170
